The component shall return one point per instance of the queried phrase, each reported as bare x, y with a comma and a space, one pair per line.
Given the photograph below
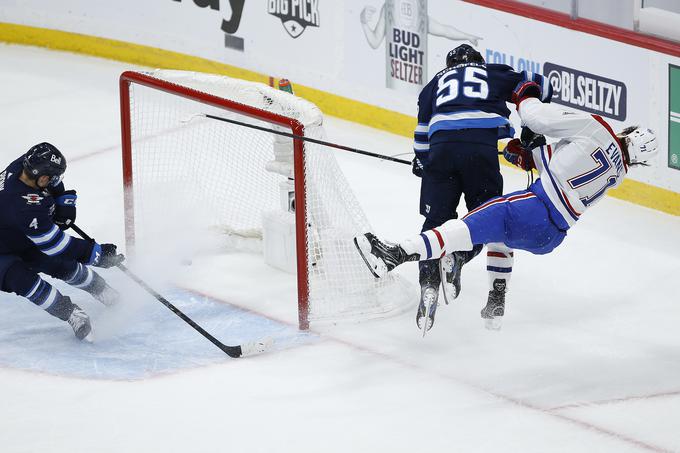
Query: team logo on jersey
32, 198
587, 92
295, 15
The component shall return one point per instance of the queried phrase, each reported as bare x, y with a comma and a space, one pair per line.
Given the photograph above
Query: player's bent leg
23, 281
440, 193
88, 280
75, 274
381, 257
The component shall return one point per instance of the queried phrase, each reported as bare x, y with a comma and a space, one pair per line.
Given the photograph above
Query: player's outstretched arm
547, 119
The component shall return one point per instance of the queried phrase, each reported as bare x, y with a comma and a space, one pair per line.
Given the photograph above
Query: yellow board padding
331, 104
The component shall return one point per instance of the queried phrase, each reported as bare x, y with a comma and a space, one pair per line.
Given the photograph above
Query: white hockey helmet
641, 144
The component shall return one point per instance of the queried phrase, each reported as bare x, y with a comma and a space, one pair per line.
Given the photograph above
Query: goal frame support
297, 128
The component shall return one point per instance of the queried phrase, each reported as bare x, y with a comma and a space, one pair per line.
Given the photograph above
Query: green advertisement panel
674, 116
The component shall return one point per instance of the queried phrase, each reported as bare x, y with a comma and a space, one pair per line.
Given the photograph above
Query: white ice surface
588, 358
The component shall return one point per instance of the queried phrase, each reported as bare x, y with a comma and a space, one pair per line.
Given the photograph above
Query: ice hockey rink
588, 358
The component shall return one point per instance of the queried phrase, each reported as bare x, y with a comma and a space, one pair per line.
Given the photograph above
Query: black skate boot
80, 323
450, 267
495, 306
381, 257
427, 307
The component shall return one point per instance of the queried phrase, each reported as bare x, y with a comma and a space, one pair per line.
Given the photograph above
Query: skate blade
493, 323
425, 325
426, 322
377, 266
89, 338
445, 267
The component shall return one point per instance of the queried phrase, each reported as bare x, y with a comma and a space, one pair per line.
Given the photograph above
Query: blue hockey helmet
464, 53
45, 159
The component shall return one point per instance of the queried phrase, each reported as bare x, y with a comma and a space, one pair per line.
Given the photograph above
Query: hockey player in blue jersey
36, 209
574, 174
462, 113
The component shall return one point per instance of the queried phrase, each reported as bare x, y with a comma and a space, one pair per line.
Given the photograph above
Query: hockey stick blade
256, 347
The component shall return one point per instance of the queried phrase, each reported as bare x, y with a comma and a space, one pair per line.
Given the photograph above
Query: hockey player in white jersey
574, 174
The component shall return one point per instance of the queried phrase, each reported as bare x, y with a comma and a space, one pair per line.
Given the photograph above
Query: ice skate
495, 306
80, 322
450, 267
381, 257
427, 307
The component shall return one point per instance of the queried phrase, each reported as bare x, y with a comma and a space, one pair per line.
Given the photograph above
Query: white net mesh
204, 176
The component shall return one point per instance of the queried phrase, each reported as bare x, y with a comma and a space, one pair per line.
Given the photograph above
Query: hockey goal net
182, 166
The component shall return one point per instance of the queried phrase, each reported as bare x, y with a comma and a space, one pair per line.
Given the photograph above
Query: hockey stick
312, 140
231, 351
308, 139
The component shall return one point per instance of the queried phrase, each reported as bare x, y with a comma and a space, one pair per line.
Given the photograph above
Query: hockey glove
65, 209
517, 155
107, 256
417, 168
525, 90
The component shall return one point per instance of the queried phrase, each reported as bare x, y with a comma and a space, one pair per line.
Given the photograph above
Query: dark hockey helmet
464, 53
45, 159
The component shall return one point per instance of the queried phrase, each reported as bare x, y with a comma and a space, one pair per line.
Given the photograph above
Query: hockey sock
499, 261
87, 280
81, 278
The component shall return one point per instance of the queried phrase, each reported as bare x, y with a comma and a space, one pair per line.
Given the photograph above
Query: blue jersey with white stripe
26, 221
470, 96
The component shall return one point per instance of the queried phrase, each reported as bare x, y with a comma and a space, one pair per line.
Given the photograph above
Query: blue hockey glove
65, 209
106, 255
517, 155
525, 90
417, 168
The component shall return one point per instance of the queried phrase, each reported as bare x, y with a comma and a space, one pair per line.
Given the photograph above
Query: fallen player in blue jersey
36, 210
574, 174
